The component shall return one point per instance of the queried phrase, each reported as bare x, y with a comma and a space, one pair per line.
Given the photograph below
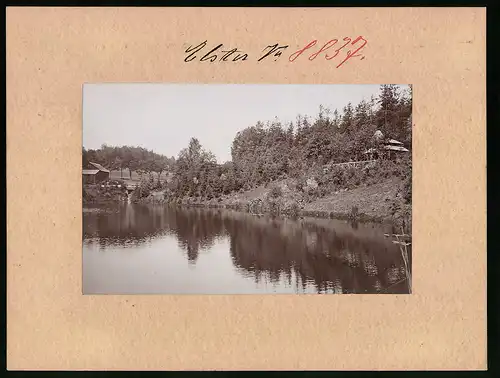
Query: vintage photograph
247, 189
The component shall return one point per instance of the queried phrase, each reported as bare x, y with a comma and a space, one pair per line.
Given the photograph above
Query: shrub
323, 190
292, 208
254, 205
388, 168
349, 173
274, 207
142, 191
299, 184
276, 192
337, 176
357, 177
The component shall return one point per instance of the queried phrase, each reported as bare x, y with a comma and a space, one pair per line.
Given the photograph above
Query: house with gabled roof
94, 173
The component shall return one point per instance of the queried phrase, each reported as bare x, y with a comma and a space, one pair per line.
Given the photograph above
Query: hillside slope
374, 200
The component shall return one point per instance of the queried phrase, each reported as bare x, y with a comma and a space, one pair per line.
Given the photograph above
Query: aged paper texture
52, 52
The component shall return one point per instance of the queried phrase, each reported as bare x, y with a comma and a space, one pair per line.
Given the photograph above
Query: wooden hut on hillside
394, 148
385, 148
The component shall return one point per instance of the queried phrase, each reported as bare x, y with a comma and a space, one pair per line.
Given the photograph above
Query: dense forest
272, 151
267, 152
137, 159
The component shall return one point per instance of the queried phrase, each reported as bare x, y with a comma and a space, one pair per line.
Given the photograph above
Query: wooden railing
350, 163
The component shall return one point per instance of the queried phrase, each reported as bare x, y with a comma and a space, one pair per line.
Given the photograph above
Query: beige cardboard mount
52, 52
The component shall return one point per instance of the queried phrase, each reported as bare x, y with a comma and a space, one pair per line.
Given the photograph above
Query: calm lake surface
148, 249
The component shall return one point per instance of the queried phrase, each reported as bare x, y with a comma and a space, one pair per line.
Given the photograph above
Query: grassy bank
378, 191
379, 202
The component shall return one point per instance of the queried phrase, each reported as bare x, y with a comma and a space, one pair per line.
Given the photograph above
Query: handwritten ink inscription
343, 50
359, 43
274, 50
214, 54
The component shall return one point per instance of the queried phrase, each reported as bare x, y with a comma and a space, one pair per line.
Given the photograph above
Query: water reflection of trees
338, 258
332, 261
195, 229
124, 224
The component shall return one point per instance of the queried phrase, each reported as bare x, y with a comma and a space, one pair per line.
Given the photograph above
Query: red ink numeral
353, 55
347, 39
324, 48
327, 46
298, 53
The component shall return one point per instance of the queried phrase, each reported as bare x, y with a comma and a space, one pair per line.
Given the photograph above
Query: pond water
147, 249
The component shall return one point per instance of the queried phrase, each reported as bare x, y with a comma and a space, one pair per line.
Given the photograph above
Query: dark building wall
101, 176
97, 178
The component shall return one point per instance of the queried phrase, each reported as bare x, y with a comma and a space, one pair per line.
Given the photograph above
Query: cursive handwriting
273, 49
329, 51
212, 56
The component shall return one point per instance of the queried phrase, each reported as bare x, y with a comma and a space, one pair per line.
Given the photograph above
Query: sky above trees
164, 117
